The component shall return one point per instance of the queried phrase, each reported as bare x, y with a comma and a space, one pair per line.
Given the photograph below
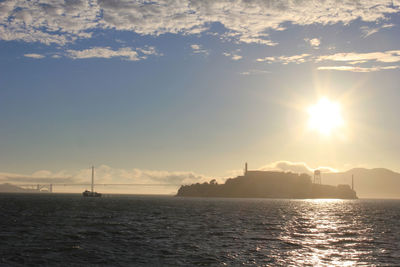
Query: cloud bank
62, 22
106, 175
297, 167
145, 181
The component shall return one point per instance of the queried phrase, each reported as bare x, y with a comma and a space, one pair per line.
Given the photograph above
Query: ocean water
68, 230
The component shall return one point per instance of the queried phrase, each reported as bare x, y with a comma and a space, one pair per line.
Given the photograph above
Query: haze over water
158, 230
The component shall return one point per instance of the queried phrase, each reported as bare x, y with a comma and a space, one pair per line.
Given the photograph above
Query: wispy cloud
357, 61
255, 72
257, 40
198, 49
104, 52
358, 69
286, 59
147, 51
126, 53
33, 55
368, 31
233, 55
267, 59
386, 57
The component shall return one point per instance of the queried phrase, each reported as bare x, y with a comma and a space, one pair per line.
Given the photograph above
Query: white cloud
351, 58
249, 19
61, 22
355, 60
198, 49
148, 50
257, 40
315, 42
233, 55
195, 47
266, 59
286, 59
33, 55
106, 52
386, 57
297, 167
294, 59
368, 31
358, 69
47, 21
389, 25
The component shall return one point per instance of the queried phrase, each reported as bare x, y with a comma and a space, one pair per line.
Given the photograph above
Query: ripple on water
69, 230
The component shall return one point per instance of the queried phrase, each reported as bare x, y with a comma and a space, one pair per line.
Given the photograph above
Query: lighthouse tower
317, 177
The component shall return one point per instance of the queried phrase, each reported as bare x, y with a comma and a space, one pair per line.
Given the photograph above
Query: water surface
56, 229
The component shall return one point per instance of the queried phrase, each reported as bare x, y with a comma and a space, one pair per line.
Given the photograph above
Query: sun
325, 116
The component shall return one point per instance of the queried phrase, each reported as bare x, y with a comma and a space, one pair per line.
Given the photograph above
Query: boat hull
91, 194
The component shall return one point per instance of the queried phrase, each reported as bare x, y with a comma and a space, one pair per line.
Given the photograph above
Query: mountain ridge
369, 183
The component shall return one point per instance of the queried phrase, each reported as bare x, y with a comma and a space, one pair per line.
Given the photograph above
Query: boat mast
92, 178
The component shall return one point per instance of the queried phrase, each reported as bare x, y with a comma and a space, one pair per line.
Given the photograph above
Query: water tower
317, 177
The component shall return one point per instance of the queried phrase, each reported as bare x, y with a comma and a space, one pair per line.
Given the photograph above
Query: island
267, 184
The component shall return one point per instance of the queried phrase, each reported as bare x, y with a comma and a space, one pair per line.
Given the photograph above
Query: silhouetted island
267, 184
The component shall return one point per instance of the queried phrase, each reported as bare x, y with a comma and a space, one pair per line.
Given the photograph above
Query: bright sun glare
325, 116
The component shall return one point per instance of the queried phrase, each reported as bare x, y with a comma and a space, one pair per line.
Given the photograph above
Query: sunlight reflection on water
326, 232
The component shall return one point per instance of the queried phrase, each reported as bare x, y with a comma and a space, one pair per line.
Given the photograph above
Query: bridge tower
317, 177
352, 182
245, 169
92, 179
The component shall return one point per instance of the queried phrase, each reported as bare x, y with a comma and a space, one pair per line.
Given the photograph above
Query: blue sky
193, 89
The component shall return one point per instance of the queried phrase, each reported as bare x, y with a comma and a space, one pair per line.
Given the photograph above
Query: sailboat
91, 193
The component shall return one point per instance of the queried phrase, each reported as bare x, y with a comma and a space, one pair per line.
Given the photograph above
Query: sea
133, 230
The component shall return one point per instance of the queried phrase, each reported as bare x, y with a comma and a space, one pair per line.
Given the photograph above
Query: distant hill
9, 188
369, 183
267, 184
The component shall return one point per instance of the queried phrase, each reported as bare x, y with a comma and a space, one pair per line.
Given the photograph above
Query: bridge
48, 188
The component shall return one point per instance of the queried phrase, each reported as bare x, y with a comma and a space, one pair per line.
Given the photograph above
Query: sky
178, 91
